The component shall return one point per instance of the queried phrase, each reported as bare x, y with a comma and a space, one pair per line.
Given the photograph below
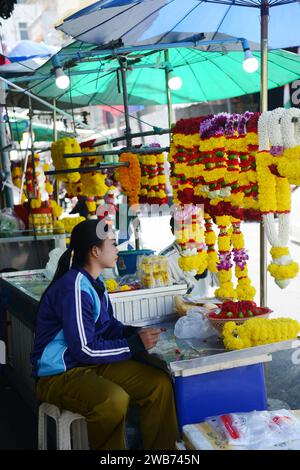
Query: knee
163, 384
118, 402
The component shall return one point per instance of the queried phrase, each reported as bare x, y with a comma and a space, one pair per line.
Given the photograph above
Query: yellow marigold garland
153, 179
244, 288
58, 149
226, 289
259, 331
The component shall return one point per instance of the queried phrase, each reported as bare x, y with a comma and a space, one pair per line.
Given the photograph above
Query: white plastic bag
51, 266
193, 325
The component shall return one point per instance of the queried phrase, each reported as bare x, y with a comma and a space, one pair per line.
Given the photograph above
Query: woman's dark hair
83, 238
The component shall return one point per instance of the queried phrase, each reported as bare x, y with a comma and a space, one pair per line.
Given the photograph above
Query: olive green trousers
102, 395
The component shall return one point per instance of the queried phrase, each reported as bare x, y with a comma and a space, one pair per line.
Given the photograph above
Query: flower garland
274, 189
239, 170
212, 156
92, 184
210, 240
57, 210
16, 173
189, 235
226, 289
184, 175
153, 179
130, 177
244, 289
289, 164
259, 331
70, 222
58, 150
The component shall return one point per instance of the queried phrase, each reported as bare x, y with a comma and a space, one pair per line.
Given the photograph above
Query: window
23, 31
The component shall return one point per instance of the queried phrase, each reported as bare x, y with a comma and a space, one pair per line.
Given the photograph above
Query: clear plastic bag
154, 271
10, 225
193, 325
258, 429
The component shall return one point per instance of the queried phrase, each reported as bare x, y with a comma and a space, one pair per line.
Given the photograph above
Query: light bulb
62, 80
250, 63
174, 82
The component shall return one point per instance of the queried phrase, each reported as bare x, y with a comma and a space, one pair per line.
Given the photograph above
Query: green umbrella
42, 132
206, 76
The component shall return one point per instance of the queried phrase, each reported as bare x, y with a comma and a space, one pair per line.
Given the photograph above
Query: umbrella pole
56, 182
264, 107
168, 90
125, 101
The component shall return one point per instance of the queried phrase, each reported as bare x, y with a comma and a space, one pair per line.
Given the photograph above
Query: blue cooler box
240, 389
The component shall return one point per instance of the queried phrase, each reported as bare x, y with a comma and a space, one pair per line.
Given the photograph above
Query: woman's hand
149, 336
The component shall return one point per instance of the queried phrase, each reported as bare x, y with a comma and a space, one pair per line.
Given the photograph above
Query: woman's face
108, 253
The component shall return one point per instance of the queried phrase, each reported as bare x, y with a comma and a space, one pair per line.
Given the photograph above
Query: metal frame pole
32, 147
40, 100
54, 120
125, 101
5, 161
55, 133
264, 107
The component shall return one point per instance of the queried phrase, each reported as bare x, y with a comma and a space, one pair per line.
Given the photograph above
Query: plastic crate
146, 305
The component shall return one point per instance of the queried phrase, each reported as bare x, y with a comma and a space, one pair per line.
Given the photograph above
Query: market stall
225, 169
208, 379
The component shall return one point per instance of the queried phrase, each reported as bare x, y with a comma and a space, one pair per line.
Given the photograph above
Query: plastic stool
70, 428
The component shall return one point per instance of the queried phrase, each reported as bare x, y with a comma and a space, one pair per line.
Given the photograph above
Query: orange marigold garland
130, 177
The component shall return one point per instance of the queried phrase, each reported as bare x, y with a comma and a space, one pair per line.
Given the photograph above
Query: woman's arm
80, 335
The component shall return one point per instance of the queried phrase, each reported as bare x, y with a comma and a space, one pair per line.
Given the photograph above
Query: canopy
145, 22
42, 133
205, 76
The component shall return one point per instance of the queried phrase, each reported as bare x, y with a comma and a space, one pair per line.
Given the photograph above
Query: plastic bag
193, 325
9, 223
258, 429
51, 266
154, 271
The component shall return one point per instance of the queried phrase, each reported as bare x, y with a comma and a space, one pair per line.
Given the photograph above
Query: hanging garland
210, 240
153, 179
61, 147
130, 177
244, 289
274, 176
226, 289
189, 235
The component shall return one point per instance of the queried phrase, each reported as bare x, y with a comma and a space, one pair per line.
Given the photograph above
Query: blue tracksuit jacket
76, 327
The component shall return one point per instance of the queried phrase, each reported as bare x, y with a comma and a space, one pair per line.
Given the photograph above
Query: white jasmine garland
263, 131
274, 127
290, 130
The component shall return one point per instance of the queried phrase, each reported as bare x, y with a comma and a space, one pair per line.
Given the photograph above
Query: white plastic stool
70, 428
